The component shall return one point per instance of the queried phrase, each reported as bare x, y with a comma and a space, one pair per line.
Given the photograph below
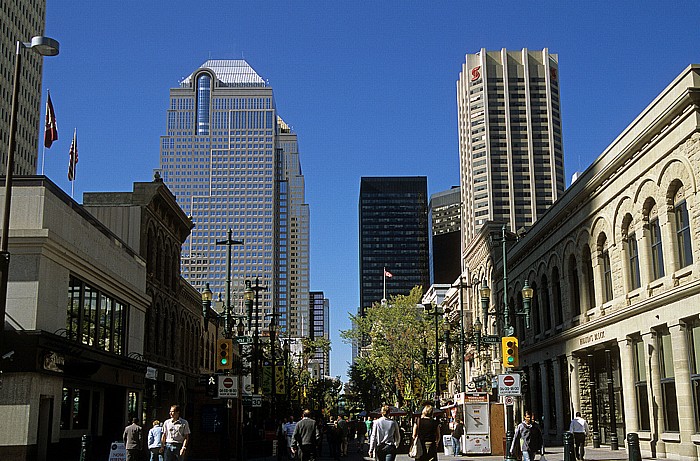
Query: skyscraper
511, 159
393, 214
233, 163
445, 236
21, 20
320, 329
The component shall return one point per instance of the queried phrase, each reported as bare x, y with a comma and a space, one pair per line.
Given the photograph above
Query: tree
392, 362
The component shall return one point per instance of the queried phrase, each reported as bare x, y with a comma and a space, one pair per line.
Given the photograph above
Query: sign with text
254, 400
509, 384
228, 387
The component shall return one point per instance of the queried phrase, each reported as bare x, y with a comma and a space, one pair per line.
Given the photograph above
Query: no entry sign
509, 384
228, 387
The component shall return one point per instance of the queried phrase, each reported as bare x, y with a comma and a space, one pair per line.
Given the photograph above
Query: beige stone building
615, 327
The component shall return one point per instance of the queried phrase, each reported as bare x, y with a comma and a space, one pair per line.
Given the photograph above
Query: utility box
477, 426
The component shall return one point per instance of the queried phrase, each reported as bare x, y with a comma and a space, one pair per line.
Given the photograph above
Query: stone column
656, 401
625, 266
544, 392
574, 386
628, 375
643, 245
598, 277
582, 289
558, 392
684, 388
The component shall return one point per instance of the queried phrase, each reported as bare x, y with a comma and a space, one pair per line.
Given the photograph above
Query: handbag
416, 450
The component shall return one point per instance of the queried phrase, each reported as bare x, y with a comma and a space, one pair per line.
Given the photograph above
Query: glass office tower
232, 163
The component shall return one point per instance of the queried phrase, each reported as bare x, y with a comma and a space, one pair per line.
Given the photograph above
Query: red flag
50, 128
73, 161
388, 274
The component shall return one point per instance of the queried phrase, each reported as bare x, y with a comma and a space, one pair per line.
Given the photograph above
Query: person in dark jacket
529, 435
305, 437
427, 430
457, 434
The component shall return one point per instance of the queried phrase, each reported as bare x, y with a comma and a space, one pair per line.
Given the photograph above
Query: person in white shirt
176, 436
385, 437
579, 427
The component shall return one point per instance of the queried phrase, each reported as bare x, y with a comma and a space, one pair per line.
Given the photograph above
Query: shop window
694, 343
640, 386
668, 382
75, 409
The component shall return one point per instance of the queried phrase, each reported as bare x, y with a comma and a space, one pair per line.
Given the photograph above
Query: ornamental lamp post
206, 301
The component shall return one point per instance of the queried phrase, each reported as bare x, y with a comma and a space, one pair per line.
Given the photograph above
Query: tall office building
445, 236
511, 160
21, 20
232, 163
393, 215
319, 309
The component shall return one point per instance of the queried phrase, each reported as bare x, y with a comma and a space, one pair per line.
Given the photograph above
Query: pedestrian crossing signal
224, 348
509, 351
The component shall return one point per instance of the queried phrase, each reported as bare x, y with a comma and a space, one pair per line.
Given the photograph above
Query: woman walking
428, 432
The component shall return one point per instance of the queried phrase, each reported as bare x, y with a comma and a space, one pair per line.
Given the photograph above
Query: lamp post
434, 311
273, 339
253, 293
206, 301
229, 242
44, 46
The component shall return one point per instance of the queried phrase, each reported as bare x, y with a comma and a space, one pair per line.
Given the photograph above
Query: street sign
228, 387
244, 340
254, 400
509, 400
509, 384
491, 339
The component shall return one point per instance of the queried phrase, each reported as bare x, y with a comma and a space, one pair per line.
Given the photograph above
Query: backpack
535, 442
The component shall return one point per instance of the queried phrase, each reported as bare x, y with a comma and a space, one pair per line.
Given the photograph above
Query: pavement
604, 453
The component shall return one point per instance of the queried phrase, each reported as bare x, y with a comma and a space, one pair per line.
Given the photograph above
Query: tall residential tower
232, 163
393, 235
510, 144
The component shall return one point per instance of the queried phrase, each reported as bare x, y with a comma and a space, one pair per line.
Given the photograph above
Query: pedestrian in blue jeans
385, 437
457, 434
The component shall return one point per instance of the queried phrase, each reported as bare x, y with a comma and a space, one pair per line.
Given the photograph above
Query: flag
73, 161
388, 274
50, 128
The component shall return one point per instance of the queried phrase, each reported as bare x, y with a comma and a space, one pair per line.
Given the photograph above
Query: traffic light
224, 355
509, 351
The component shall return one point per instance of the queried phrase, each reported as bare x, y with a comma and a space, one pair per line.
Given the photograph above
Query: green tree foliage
391, 367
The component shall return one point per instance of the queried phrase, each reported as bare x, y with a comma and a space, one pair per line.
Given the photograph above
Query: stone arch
625, 206
677, 169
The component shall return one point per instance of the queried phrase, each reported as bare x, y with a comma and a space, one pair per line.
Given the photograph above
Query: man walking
579, 427
176, 436
457, 434
342, 426
385, 438
133, 440
529, 435
306, 437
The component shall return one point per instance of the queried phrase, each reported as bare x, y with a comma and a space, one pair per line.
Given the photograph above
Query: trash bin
447, 443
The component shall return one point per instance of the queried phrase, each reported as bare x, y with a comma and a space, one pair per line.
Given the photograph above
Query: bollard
634, 453
85, 447
569, 454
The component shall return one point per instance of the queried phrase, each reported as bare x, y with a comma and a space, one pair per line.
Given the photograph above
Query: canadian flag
388, 274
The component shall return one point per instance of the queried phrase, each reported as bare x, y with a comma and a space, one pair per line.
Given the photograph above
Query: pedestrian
281, 441
457, 434
305, 437
361, 433
289, 427
333, 437
343, 433
155, 442
529, 435
385, 437
176, 436
579, 427
427, 430
133, 440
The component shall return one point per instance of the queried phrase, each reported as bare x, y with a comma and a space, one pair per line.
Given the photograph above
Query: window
684, 249
95, 318
640, 386
668, 382
575, 297
607, 275
633, 255
75, 408
588, 274
694, 347
657, 254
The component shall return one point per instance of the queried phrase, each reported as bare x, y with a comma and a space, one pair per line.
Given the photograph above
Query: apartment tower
233, 163
21, 20
510, 140
445, 236
393, 215
319, 309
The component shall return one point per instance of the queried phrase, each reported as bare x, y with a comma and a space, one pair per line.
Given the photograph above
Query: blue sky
369, 86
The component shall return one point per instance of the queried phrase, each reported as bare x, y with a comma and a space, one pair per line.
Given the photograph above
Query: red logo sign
228, 383
508, 380
553, 73
476, 74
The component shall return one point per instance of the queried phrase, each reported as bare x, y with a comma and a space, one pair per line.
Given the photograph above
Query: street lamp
254, 291
434, 311
273, 339
206, 301
44, 46
229, 242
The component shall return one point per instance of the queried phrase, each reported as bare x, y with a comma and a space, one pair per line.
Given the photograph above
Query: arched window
684, 250
604, 252
546, 308
535, 309
574, 292
203, 99
588, 276
655, 243
632, 252
556, 293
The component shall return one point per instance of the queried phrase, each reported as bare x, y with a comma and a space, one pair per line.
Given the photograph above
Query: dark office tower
20, 20
445, 236
510, 146
319, 310
233, 163
393, 235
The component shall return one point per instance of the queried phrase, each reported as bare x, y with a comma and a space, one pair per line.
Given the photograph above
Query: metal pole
437, 359
4, 253
463, 384
507, 328
611, 398
227, 309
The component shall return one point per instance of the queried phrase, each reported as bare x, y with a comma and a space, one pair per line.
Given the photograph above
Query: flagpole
43, 155
384, 278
